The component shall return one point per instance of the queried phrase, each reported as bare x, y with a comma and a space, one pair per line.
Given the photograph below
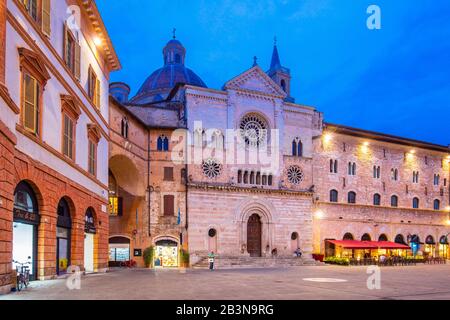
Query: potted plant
148, 257
184, 258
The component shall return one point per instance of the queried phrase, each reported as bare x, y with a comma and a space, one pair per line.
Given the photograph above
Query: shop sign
25, 216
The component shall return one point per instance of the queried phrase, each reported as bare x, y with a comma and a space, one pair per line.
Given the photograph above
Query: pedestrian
211, 258
298, 253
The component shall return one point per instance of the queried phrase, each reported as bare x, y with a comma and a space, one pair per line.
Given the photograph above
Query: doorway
254, 233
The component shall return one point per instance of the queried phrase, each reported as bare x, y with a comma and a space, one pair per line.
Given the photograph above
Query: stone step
249, 262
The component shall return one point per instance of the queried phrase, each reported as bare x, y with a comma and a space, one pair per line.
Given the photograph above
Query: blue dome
174, 71
168, 76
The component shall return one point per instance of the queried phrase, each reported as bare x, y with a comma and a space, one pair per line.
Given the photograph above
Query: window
94, 88
92, 158
163, 143
168, 174
436, 179
415, 177
169, 205
437, 205
348, 236
352, 169
376, 199
333, 166
239, 176
351, 197
297, 148
72, 52
31, 103
416, 203
366, 237
124, 128
376, 172
283, 85
32, 8
333, 196
394, 201
394, 174
68, 137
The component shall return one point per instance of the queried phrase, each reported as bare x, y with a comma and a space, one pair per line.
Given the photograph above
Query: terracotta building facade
54, 75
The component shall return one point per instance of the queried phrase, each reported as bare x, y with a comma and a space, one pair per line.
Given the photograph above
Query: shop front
430, 247
359, 250
443, 247
89, 237
166, 254
119, 251
63, 237
25, 227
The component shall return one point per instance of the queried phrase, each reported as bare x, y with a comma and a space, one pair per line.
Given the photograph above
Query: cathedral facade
246, 172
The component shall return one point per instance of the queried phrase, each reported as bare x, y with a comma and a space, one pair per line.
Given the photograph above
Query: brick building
55, 61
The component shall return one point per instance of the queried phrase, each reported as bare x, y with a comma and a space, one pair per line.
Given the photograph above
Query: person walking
211, 258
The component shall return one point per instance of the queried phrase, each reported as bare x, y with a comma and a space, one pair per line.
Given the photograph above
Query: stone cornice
368, 206
231, 188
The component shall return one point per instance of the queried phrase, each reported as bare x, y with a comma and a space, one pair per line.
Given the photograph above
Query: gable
255, 80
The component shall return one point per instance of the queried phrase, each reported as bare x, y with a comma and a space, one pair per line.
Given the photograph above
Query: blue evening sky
394, 80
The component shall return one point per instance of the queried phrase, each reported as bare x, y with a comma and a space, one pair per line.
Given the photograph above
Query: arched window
394, 201
270, 180
283, 85
294, 148
177, 58
160, 144
89, 221
246, 177
351, 197
300, 148
239, 176
252, 178
437, 205
124, 128
383, 237
399, 239
348, 236
333, 166
376, 199
25, 198
264, 180
429, 240
333, 196
258, 178
416, 203
366, 237
166, 144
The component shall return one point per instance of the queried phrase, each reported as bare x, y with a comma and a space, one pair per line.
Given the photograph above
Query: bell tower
279, 74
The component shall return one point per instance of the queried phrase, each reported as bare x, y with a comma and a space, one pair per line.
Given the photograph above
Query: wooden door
254, 230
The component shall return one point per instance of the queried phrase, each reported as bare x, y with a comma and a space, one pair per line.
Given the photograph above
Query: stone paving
349, 283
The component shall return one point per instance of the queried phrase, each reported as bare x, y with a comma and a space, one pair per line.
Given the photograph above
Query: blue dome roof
168, 76
164, 79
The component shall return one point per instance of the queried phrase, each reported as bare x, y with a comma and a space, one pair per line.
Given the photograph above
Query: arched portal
254, 234
63, 236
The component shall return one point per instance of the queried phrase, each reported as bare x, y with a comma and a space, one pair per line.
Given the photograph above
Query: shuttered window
46, 24
72, 52
32, 8
94, 88
169, 205
92, 159
168, 174
68, 137
31, 94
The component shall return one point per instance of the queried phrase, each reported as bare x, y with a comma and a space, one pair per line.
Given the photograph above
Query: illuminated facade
321, 181
54, 74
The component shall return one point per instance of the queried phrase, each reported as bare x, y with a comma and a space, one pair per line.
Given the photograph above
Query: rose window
211, 168
295, 174
254, 130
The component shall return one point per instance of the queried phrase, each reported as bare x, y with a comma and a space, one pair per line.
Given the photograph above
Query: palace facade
254, 174
55, 61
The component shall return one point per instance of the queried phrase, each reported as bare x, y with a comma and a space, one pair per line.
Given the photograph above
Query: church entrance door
254, 230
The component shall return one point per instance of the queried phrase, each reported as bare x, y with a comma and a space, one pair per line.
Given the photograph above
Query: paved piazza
323, 282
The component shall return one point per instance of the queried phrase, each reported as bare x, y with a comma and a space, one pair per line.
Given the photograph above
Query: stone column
2, 40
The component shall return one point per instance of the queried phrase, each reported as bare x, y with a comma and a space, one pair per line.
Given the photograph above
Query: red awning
354, 244
390, 245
